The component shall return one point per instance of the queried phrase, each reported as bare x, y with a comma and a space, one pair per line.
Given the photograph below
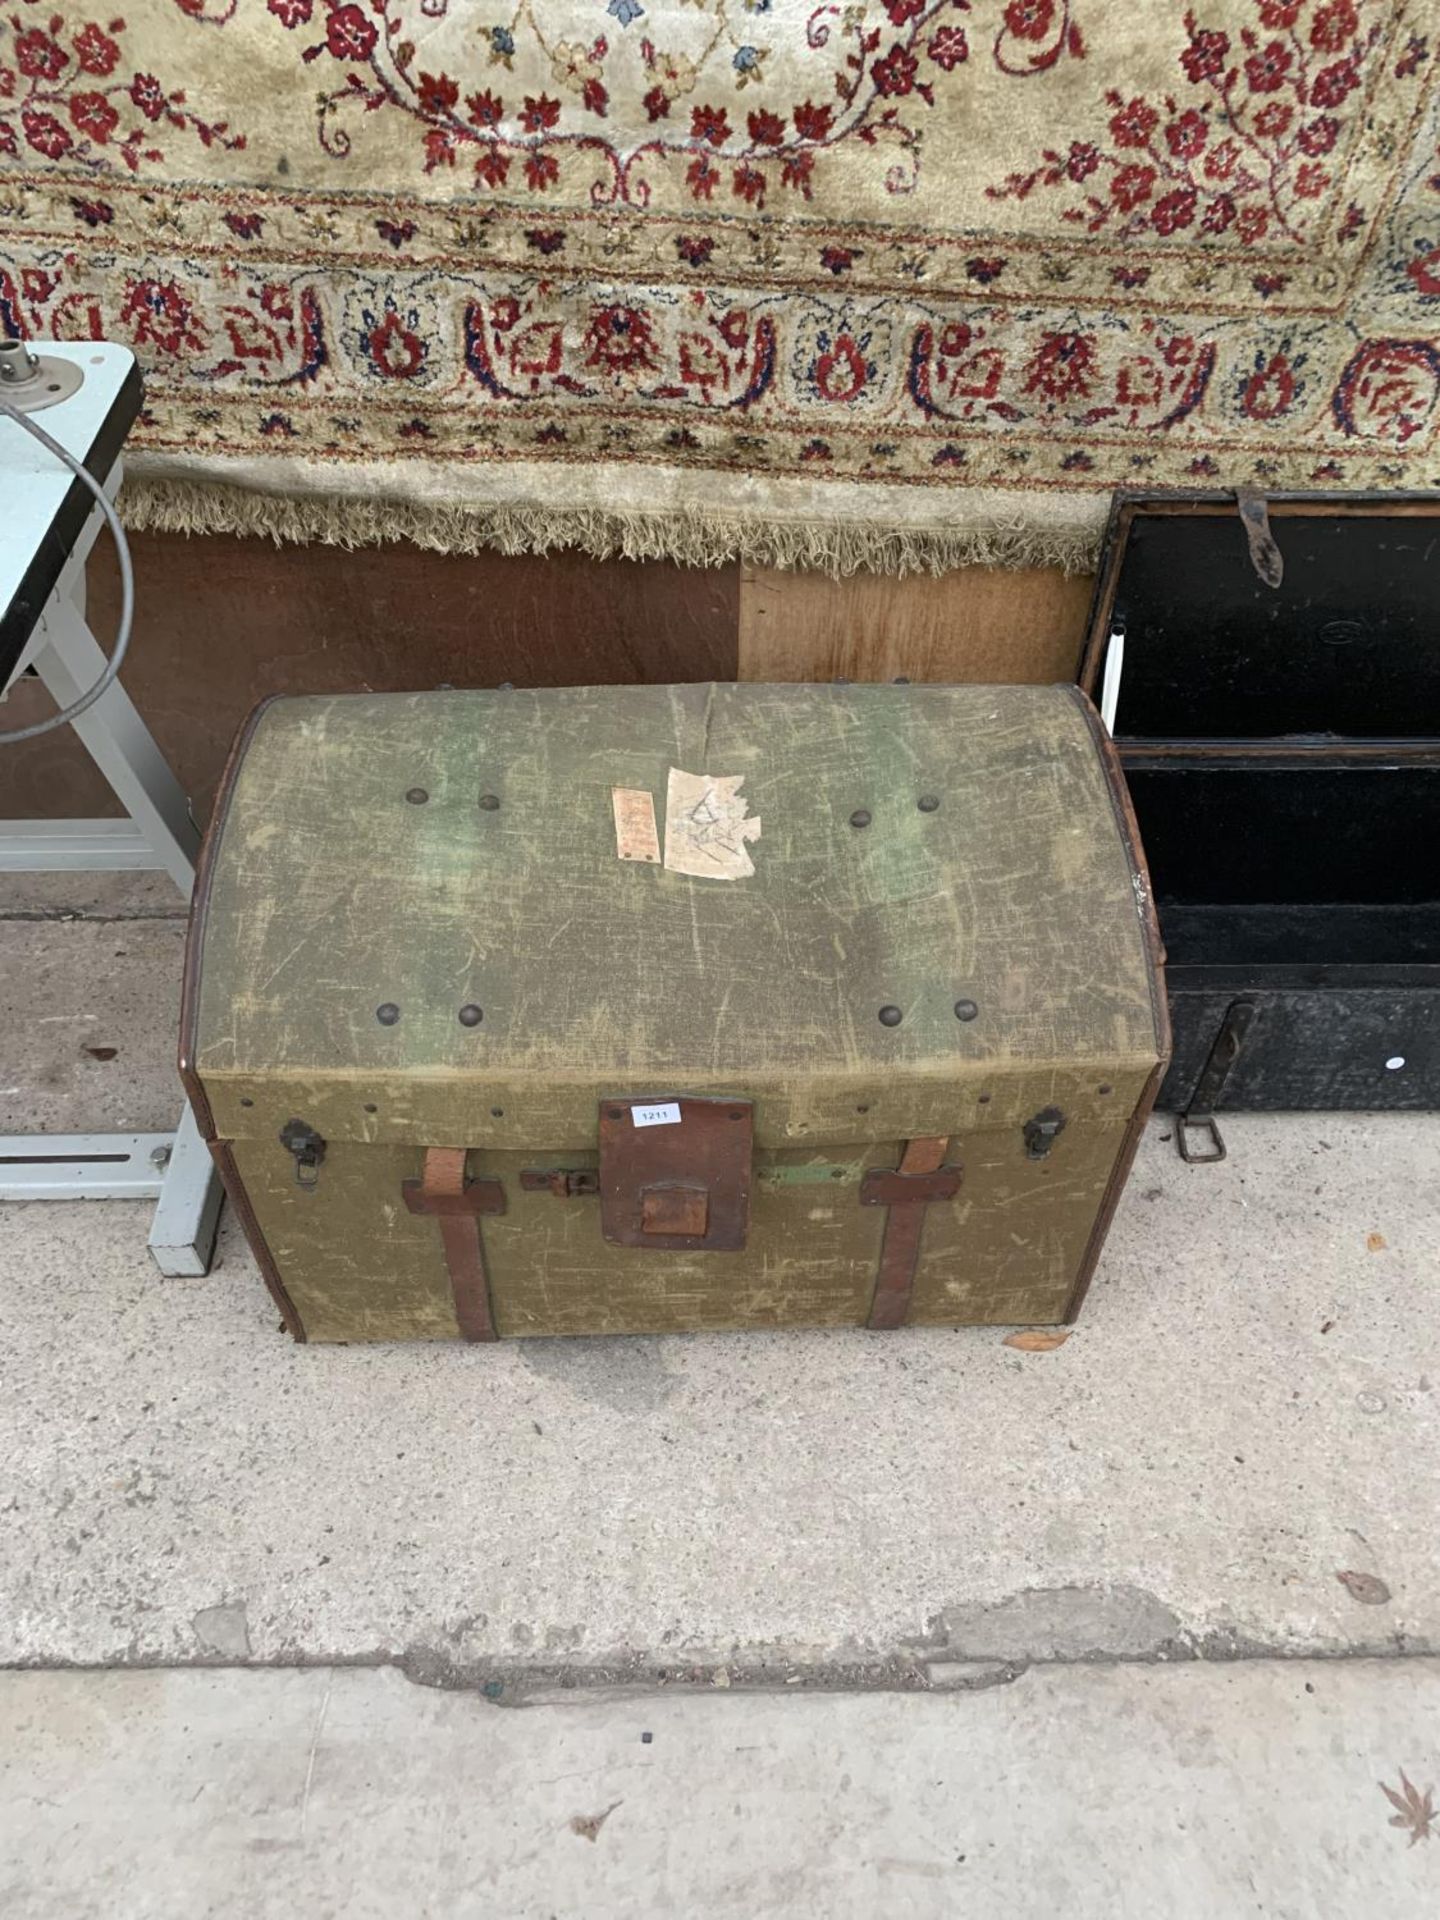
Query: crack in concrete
966, 1648
46, 915
515, 1683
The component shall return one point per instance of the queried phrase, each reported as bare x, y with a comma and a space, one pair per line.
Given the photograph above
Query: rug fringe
837, 548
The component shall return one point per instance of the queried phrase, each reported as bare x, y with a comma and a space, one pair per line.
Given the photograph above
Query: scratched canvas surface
888, 280
333, 895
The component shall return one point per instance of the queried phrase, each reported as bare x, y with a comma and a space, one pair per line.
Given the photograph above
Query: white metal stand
157, 834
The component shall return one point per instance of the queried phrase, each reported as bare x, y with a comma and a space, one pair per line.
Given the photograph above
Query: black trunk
1282, 749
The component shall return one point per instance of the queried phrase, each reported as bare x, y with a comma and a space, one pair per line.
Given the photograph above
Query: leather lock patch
675, 1172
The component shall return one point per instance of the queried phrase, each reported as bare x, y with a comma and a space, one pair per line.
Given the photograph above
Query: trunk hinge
1265, 555
1200, 1110
919, 1181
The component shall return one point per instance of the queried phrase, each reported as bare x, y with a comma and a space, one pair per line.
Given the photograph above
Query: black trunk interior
1293, 866
1282, 750
1345, 646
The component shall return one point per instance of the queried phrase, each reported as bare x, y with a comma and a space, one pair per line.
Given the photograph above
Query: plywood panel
221, 622
975, 624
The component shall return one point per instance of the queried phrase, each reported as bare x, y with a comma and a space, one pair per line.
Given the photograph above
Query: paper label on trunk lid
636, 837
706, 828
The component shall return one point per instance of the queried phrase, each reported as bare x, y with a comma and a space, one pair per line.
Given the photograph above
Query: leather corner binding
240, 1200
189, 1015
199, 914
1123, 508
1124, 811
1130, 835
1110, 1200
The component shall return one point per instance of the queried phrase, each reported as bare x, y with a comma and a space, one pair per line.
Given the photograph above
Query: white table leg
182, 1234
157, 833
118, 741
83, 1166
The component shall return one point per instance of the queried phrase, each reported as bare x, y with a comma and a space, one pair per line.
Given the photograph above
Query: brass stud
966, 1010
860, 817
470, 1015
890, 1016
490, 802
928, 803
387, 1014
417, 796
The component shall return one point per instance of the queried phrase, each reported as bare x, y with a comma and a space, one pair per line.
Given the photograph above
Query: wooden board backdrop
978, 624
221, 622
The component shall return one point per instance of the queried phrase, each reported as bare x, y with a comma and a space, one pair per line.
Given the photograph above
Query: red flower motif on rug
52, 104
1227, 154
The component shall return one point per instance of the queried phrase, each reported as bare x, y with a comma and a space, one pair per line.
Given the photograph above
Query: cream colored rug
898, 282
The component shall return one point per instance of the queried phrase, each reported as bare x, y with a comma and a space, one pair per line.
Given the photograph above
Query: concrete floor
1246, 1413
1183, 1793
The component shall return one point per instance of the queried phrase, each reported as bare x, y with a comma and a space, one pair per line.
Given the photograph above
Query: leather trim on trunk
189, 1015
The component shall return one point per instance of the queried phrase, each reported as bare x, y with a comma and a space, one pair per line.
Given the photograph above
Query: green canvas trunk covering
414, 931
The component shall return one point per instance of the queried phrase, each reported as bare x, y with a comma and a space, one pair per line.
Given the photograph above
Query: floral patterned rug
887, 282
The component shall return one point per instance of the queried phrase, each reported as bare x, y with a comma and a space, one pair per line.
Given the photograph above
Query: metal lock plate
681, 1184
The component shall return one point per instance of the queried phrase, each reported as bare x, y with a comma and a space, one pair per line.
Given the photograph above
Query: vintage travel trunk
504, 1016
1274, 672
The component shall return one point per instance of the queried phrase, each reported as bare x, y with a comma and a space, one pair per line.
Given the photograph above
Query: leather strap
457, 1204
904, 1224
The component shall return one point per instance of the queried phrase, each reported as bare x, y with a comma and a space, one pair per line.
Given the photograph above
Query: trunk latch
564, 1182
1041, 1132
308, 1148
